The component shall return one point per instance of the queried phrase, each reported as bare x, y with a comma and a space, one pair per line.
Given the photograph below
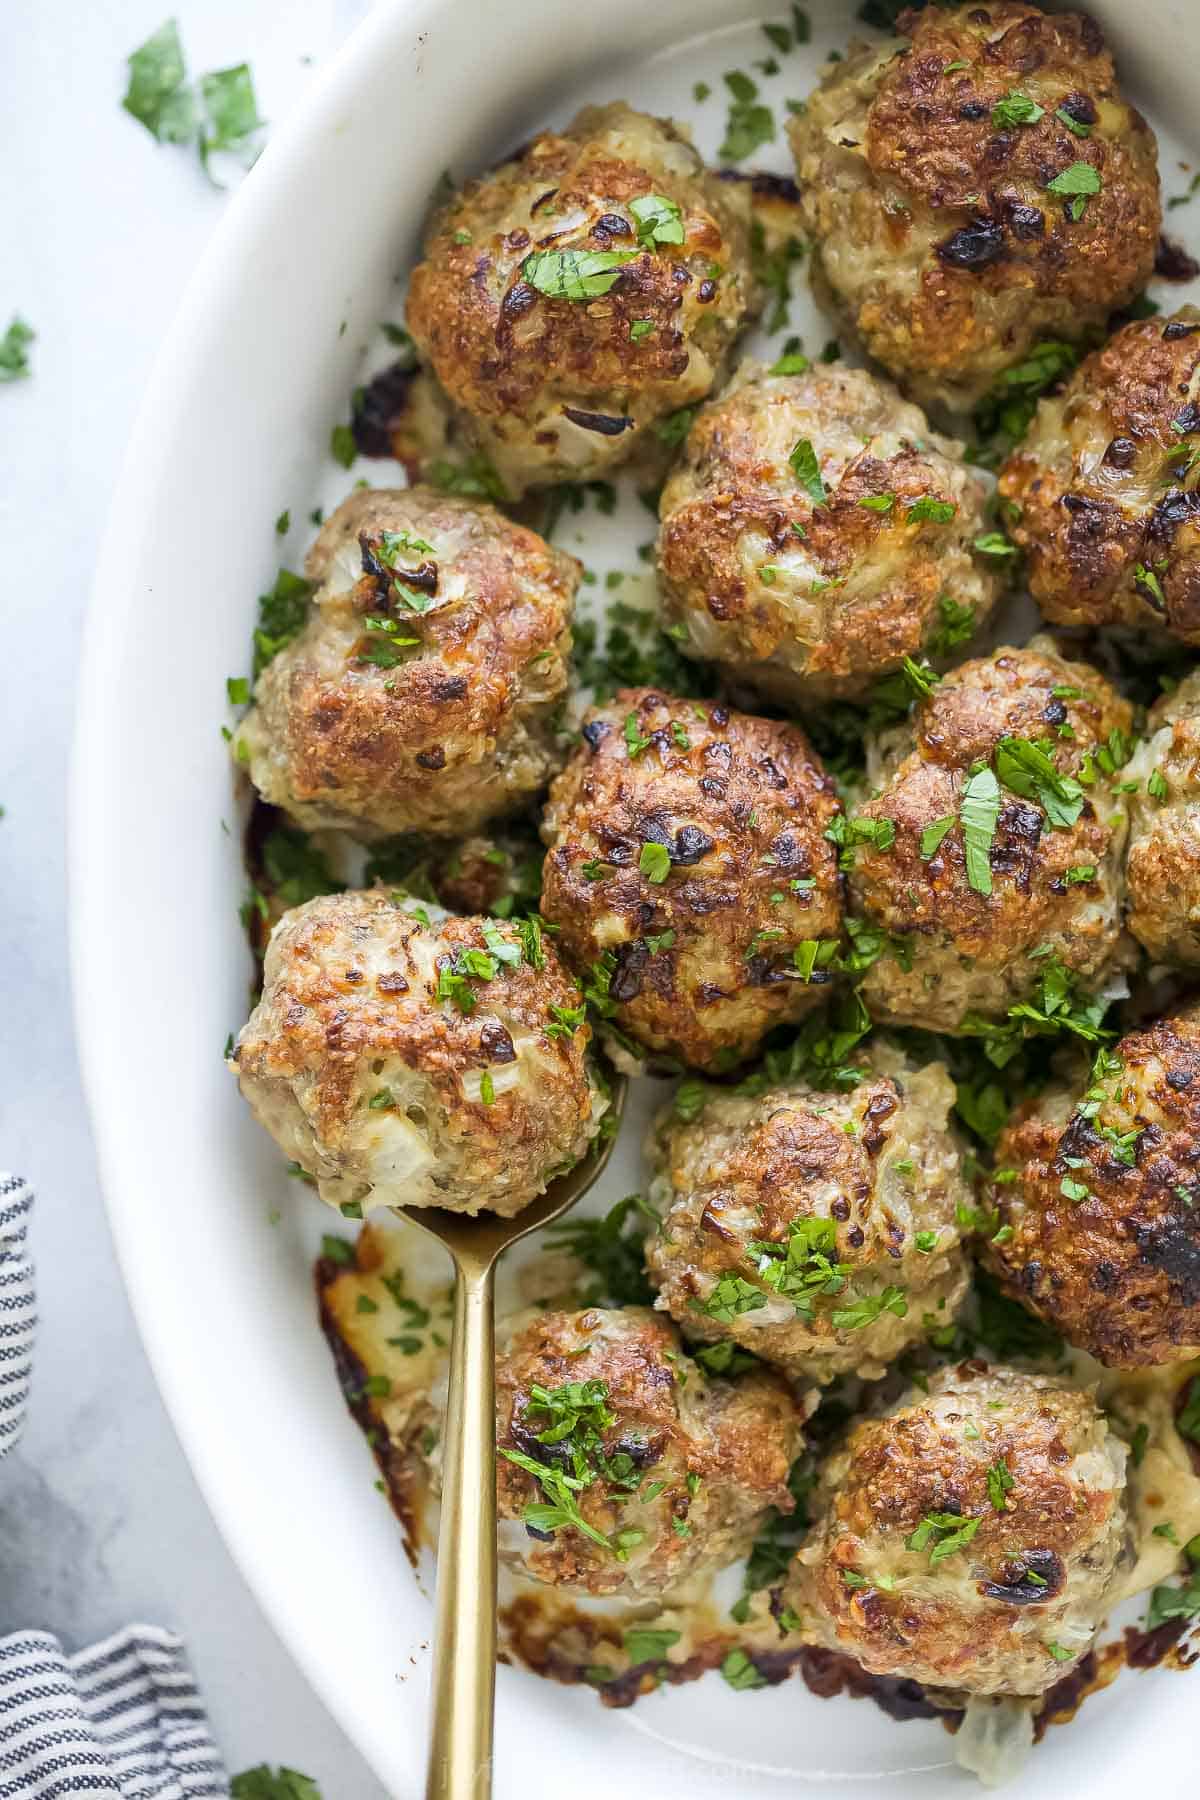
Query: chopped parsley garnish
937, 512
644, 1644
741, 1673
933, 835
658, 220
635, 743
1138, 1443
731, 1296
282, 615
690, 1098
1157, 787
773, 270
565, 1020
1147, 579
232, 111
999, 1485
1005, 412
957, 624
1015, 109
978, 813
870, 1307
807, 470
475, 478
1058, 1652
1075, 126
801, 1267
994, 543
943, 1534
611, 1248
294, 868
1181, 1602
674, 428
265, 1783
1077, 184
343, 446
14, 359
338, 1250
749, 123
574, 274
793, 362
640, 329
655, 863
1026, 769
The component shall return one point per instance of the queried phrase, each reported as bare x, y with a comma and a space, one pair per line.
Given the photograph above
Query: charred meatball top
817, 531
975, 188
678, 1469
1102, 1200
819, 1230
581, 292
969, 1538
1162, 867
991, 855
1106, 485
689, 874
403, 1060
423, 693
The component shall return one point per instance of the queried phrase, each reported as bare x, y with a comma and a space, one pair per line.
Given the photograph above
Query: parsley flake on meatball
424, 692
974, 189
406, 1060
1101, 1200
990, 858
624, 1468
816, 532
689, 876
970, 1538
578, 295
1162, 865
817, 1229
1104, 490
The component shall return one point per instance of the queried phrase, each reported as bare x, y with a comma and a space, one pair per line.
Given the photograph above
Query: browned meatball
996, 842
970, 1537
690, 875
1162, 867
1100, 1205
816, 532
1105, 484
974, 189
404, 1059
423, 694
580, 293
678, 1468
819, 1230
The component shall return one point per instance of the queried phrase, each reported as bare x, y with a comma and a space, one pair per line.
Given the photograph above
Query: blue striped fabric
18, 1314
122, 1720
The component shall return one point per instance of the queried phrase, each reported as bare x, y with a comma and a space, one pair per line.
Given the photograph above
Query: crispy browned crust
872, 579
460, 731
930, 901
349, 986
738, 1438
1100, 494
500, 347
916, 1460
742, 804
1118, 1272
984, 259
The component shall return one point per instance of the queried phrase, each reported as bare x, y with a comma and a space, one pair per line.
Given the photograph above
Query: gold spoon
464, 1641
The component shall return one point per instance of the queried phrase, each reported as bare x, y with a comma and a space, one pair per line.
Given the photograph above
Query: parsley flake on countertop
574, 274
14, 359
219, 113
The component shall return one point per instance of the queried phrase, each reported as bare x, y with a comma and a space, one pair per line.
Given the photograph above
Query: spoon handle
464, 1645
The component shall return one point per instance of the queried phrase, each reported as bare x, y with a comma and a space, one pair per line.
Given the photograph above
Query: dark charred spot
380, 409
719, 717
607, 424
791, 856
880, 1107
1104, 1276
1178, 328
839, 1208
771, 772
708, 993
1084, 511
706, 291
1172, 262
611, 225
1054, 712
680, 276
518, 300
1188, 420
1014, 1585
392, 984
1120, 453
714, 788
973, 246
449, 687
690, 845
642, 1448
627, 976
1172, 1244
543, 200
517, 240
973, 110
432, 759
856, 1237
543, 1537
1026, 222
595, 732
525, 1437
1081, 108
1179, 1079
1177, 507
496, 1042
354, 976
1090, 35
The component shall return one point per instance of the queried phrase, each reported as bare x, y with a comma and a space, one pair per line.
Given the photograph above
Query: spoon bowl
464, 1646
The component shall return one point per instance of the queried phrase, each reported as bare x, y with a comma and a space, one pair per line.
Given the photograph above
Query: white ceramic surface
253, 375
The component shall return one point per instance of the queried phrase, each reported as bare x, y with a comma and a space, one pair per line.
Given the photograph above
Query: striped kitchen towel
17, 1313
122, 1720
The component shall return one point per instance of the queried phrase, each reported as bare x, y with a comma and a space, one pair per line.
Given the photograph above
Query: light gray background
100, 1520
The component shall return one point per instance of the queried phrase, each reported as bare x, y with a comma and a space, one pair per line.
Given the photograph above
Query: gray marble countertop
100, 1520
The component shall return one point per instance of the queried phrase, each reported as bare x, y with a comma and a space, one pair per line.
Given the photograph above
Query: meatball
403, 1060
974, 190
817, 1229
424, 691
580, 293
816, 532
1103, 487
968, 1539
1162, 867
678, 1469
991, 858
689, 873
1099, 1207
